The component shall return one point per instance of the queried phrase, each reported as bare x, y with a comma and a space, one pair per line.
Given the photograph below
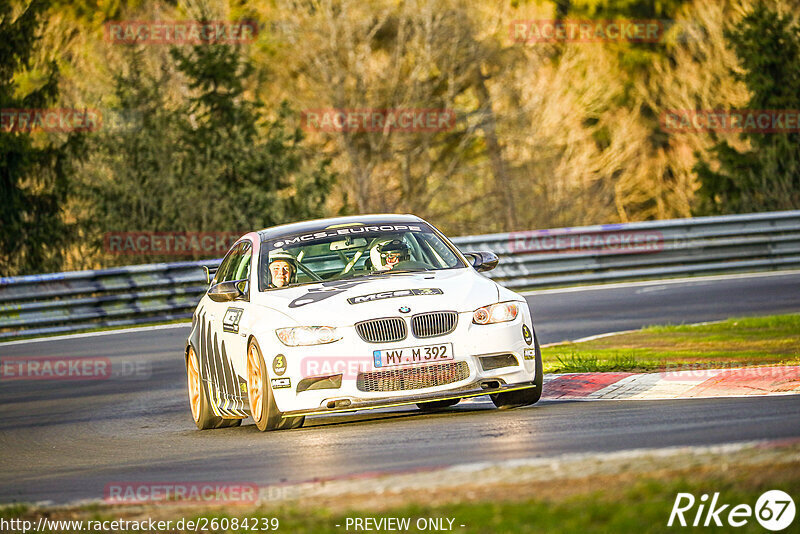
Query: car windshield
353, 251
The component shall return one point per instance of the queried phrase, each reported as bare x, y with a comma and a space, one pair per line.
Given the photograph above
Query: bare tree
415, 55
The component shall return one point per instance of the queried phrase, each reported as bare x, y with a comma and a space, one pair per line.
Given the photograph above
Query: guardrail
73, 301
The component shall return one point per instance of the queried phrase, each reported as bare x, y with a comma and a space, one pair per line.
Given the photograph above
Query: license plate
411, 355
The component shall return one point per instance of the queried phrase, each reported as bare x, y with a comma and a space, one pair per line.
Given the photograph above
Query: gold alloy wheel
193, 378
255, 390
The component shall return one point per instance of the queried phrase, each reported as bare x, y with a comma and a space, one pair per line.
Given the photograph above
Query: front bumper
470, 343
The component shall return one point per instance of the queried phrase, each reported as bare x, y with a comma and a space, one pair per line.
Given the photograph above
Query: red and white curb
695, 383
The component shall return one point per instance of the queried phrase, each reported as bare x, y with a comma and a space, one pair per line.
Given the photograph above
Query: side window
242, 269
228, 264
225, 265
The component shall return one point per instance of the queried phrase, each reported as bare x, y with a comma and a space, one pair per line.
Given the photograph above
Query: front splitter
414, 399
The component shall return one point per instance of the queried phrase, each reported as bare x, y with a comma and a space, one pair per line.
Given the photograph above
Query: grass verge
751, 341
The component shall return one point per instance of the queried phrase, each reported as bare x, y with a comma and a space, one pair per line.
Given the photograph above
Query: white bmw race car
355, 313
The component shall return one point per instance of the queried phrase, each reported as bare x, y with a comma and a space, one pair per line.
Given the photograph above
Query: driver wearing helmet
388, 254
282, 270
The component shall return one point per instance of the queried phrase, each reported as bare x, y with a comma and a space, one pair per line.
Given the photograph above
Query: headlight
496, 313
307, 335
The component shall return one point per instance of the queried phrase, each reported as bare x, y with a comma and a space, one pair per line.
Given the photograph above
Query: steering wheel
410, 265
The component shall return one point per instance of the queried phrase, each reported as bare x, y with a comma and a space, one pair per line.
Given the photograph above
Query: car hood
345, 302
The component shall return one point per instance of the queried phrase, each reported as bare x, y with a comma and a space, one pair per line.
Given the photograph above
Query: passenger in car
282, 271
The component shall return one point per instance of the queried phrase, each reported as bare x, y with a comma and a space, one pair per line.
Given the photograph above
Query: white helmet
387, 254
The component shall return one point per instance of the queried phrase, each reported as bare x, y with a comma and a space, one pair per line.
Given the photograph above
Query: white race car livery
355, 313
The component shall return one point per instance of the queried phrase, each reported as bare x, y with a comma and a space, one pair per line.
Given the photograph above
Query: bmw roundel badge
404, 309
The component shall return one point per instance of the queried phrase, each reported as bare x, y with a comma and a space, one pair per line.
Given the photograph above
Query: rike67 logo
774, 510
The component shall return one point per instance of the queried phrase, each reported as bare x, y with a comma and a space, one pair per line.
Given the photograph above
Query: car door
217, 344
233, 334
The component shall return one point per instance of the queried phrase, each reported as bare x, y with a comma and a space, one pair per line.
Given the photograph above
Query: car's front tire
202, 414
524, 397
259, 392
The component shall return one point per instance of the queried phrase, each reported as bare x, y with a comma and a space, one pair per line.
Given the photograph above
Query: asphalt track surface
63, 441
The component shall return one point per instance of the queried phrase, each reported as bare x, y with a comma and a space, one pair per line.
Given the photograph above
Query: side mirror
483, 261
228, 291
210, 272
